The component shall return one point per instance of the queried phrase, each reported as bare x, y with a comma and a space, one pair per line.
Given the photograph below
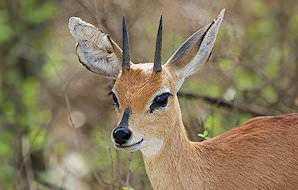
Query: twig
112, 166
68, 109
118, 168
27, 163
129, 170
100, 181
256, 111
82, 4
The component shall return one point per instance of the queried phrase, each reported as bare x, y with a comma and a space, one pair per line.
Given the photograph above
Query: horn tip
160, 20
125, 54
123, 21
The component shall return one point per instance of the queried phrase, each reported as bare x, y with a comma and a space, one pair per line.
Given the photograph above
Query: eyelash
115, 99
159, 101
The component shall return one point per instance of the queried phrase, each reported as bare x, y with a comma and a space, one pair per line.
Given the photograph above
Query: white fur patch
145, 67
152, 147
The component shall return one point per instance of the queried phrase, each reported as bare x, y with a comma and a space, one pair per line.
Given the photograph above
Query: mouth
129, 146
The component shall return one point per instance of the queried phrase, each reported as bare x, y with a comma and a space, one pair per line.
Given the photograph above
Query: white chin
128, 149
132, 147
152, 148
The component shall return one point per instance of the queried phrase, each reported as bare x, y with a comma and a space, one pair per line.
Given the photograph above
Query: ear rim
206, 37
112, 58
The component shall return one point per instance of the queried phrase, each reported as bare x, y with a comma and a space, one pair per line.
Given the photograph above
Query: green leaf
36, 12
225, 64
204, 135
127, 188
258, 8
269, 94
37, 138
6, 31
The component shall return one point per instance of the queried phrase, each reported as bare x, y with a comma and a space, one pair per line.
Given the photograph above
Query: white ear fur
194, 51
95, 49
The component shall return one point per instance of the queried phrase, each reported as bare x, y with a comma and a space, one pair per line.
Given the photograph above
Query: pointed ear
194, 51
95, 49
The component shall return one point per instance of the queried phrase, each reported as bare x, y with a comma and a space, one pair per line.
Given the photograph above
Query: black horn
125, 55
158, 47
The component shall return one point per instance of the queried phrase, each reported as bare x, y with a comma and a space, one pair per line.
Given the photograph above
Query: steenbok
259, 154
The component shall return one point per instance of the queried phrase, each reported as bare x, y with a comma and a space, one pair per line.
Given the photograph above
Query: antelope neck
177, 157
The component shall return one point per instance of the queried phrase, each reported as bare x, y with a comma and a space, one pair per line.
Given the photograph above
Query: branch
253, 110
129, 170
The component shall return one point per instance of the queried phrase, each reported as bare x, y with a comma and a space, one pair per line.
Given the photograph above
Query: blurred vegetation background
56, 117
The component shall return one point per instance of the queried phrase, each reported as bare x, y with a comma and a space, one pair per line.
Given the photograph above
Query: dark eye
115, 99
159, 101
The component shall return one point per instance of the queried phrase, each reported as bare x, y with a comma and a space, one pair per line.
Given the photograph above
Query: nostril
121, 135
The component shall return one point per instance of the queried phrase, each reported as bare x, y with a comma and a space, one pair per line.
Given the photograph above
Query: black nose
121, 135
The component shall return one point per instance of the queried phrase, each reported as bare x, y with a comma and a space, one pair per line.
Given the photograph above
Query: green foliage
225, 64
22, 116
273, 65
211, 88
52, 64
269, 94
204, 135
258, 8
6, 151
127, 188
293, 28
35, 12
246, 80
213, 124
37, 138
6, 31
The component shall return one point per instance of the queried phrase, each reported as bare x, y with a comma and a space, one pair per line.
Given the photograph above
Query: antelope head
145, 94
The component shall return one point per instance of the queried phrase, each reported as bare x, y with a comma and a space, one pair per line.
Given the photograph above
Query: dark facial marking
124, 121
159, 101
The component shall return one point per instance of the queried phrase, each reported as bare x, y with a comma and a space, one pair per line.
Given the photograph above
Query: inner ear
95, 49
